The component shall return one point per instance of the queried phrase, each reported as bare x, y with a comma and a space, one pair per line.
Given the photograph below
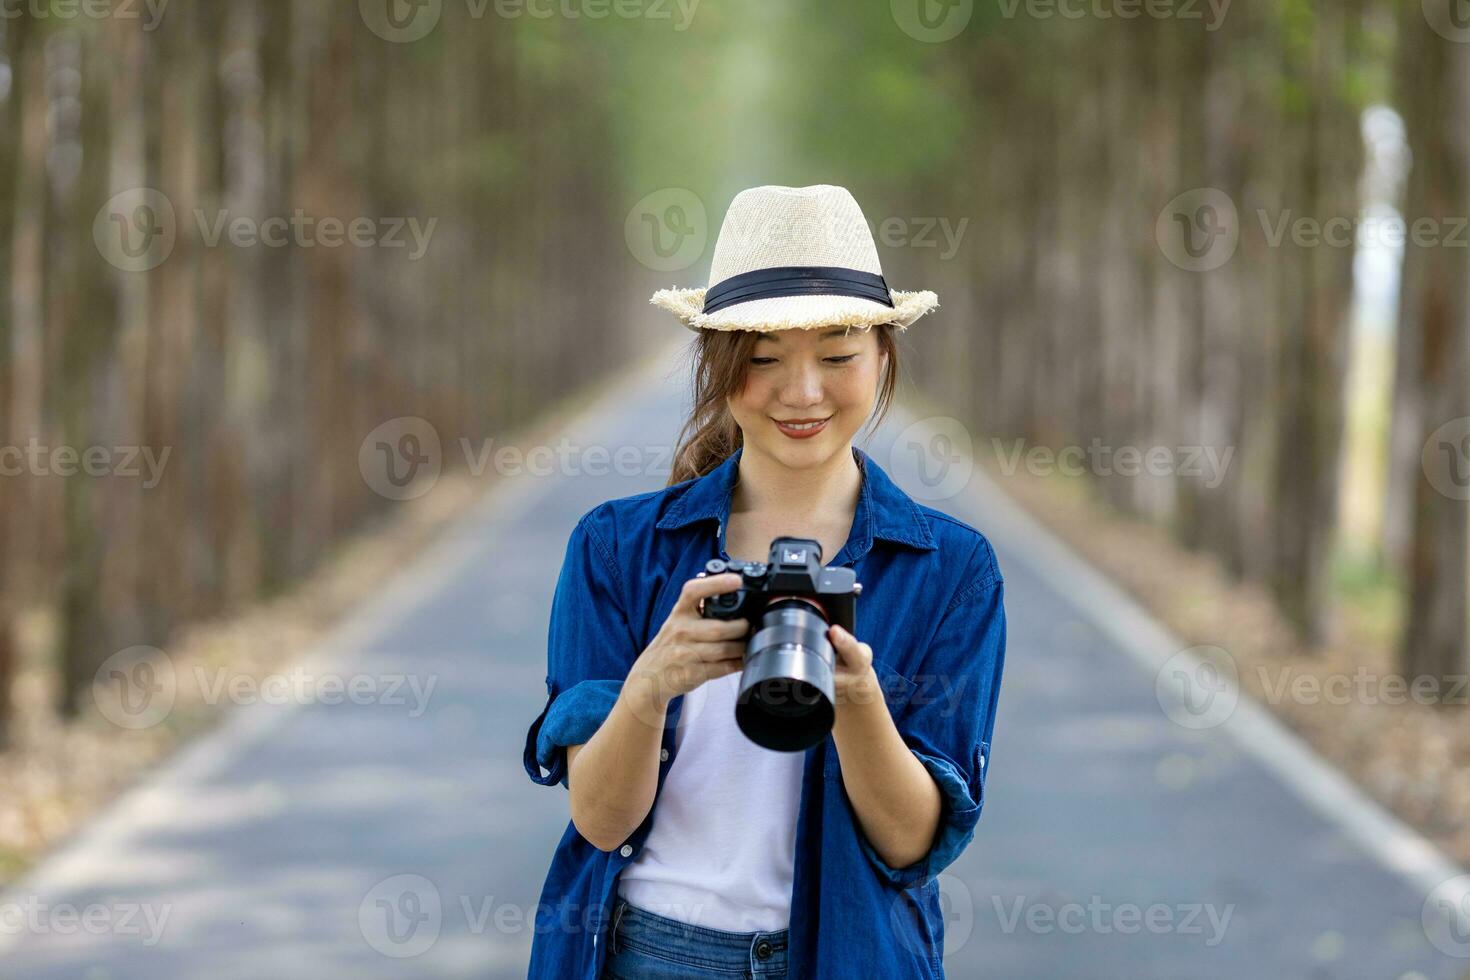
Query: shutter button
625, 850
762, 950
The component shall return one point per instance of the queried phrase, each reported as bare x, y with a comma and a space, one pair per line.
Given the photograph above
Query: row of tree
1147, 282
1124, 190
174, 288
1138, 273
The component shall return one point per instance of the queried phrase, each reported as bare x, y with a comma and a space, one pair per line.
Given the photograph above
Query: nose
802, 386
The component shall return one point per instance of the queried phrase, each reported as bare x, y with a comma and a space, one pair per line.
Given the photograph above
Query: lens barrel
787, 689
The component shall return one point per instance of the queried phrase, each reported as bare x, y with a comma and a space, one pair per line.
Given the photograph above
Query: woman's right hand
616, 771
690, 649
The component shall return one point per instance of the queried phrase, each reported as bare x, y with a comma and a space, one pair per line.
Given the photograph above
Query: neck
766, 486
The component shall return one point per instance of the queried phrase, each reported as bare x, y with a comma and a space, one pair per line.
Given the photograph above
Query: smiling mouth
802, 425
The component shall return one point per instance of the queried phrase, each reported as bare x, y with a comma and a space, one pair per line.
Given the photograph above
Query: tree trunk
1436, 95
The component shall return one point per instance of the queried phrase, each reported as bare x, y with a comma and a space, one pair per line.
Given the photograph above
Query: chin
801, 453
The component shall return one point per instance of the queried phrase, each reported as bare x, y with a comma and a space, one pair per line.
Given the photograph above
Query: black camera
787, 698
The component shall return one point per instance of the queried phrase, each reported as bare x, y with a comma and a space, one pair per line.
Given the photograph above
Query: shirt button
625, 850
762, 950
663, 755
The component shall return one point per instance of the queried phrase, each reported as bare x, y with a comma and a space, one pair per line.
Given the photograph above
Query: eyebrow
835, 332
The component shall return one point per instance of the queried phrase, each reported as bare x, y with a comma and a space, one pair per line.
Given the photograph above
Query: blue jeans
644, 946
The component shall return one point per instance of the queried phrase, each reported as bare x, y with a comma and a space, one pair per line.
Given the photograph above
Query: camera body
795, 569
787, 701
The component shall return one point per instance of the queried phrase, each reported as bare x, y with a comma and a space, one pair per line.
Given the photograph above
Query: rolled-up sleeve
949, 722
590, 647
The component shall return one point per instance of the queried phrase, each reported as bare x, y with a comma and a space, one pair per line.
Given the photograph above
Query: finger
724, 650
723, 667
689, 676
841, 639
716, 630
720, 668
853, 652
702, 588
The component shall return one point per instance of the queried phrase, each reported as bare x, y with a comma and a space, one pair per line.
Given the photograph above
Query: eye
841, 360
763, 360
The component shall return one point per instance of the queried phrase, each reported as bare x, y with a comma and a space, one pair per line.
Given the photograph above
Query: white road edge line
1021, 539
71, 862
1018, 538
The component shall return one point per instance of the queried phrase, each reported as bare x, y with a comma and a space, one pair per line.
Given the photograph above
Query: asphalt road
400, 837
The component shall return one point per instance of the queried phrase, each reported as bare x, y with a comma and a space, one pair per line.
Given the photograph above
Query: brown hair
721, 362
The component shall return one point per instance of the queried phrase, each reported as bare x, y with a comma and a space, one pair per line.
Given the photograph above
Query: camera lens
787, 698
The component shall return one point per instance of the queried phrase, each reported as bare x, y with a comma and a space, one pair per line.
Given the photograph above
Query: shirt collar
883, 510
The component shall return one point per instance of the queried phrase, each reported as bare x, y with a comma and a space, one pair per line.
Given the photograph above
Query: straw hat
794, 257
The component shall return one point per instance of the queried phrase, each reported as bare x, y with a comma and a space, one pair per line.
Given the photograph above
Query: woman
693, 852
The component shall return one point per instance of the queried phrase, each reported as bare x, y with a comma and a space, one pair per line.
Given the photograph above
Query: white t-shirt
722, 849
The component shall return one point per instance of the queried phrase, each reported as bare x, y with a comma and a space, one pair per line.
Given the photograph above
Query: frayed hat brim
795, 312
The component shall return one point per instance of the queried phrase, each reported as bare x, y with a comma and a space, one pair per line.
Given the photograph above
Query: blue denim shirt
931, 609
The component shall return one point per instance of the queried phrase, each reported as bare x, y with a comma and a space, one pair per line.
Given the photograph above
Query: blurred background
1202, 266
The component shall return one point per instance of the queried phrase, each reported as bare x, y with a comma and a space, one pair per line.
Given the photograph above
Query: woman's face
829, 375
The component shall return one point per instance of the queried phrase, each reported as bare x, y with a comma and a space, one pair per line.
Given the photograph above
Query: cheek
749, 400
856, 388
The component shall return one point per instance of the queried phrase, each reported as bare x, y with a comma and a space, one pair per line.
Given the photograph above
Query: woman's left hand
856, 681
